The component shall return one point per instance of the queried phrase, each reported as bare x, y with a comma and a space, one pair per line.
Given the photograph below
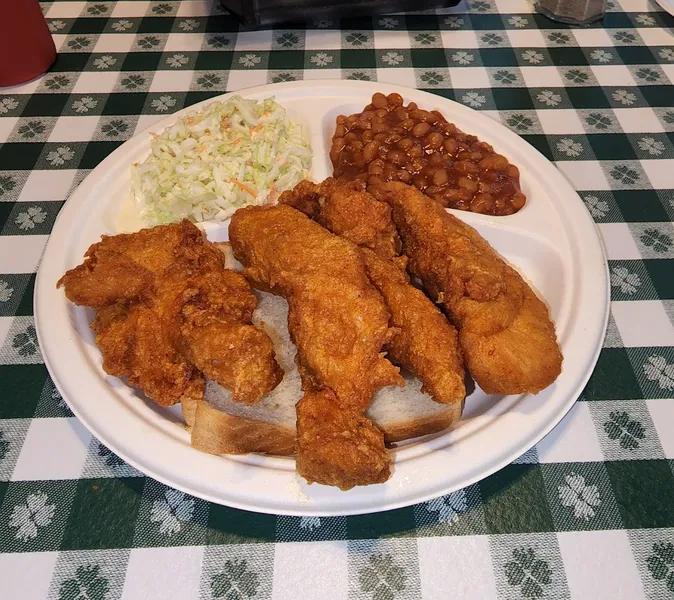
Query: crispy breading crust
425, 344
505, 331
339, 324
168, 311
347, 210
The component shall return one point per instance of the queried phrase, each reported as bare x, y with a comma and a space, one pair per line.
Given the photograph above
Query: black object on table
264, 13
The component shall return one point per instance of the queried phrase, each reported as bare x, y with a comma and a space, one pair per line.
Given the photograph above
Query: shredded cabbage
209, 163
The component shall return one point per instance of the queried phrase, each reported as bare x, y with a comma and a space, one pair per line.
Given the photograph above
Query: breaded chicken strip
337, 319
426, 344
136, 344
337, 445
347, 210
339, 324
106, 278
168, 313
505, 331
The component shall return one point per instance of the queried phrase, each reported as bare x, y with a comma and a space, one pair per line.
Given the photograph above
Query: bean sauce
389, 141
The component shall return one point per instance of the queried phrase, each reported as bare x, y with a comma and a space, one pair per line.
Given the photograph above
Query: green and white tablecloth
588, 513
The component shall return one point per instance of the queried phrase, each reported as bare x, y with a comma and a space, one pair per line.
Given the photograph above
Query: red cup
26, 46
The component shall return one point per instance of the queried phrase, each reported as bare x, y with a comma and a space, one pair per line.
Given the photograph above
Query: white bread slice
221, 426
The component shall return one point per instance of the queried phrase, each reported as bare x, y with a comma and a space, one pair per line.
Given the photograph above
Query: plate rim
667, 6
311, 510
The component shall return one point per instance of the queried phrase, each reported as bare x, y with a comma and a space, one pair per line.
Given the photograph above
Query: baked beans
389, 141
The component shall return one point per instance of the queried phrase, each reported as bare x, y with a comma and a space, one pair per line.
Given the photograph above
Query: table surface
587, 513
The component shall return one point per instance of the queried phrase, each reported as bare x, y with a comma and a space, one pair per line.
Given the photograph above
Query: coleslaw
209, 163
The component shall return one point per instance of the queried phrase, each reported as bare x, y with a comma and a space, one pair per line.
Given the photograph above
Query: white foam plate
552, 241
667, 5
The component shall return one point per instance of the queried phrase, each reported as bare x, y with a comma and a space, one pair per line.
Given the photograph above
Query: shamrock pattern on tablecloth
163, 103
172, 511
175, 61
288, 40
388, 23
321, 59
528, 573
549, 98
518, 21
250, 60
60, 156
455, 22
25, 342
236, 581
217, 41
188, 25
533, 57
622, 278
310, 523
582, 497
359, 76
621, 427
598, 121
473, 99
655, 239
32, 216
7, 104
392, 58
122, 25
114, 128
28, 517
280, 77
149, 42
661, 564
425, 39
6, 291
57, 82
624, 97
463, 57
356, 39
648, 75
32, 129
505, 77
520, 122
658, 369
105, 62
432, 77
601, 56
449, 508
624, 174
209, 80
87, 584
85, 104
382, 577
598, 208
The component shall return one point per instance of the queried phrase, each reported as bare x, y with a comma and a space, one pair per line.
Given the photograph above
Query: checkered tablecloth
588, 513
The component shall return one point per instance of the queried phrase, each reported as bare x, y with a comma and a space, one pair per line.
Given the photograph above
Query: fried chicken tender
337, 319
347, 210
158, 247
106, 278
426, 344
337, 445
505, 331
168, 313
339, 324
136, 344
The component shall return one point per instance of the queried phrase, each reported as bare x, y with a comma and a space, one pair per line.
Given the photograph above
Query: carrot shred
242, 186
